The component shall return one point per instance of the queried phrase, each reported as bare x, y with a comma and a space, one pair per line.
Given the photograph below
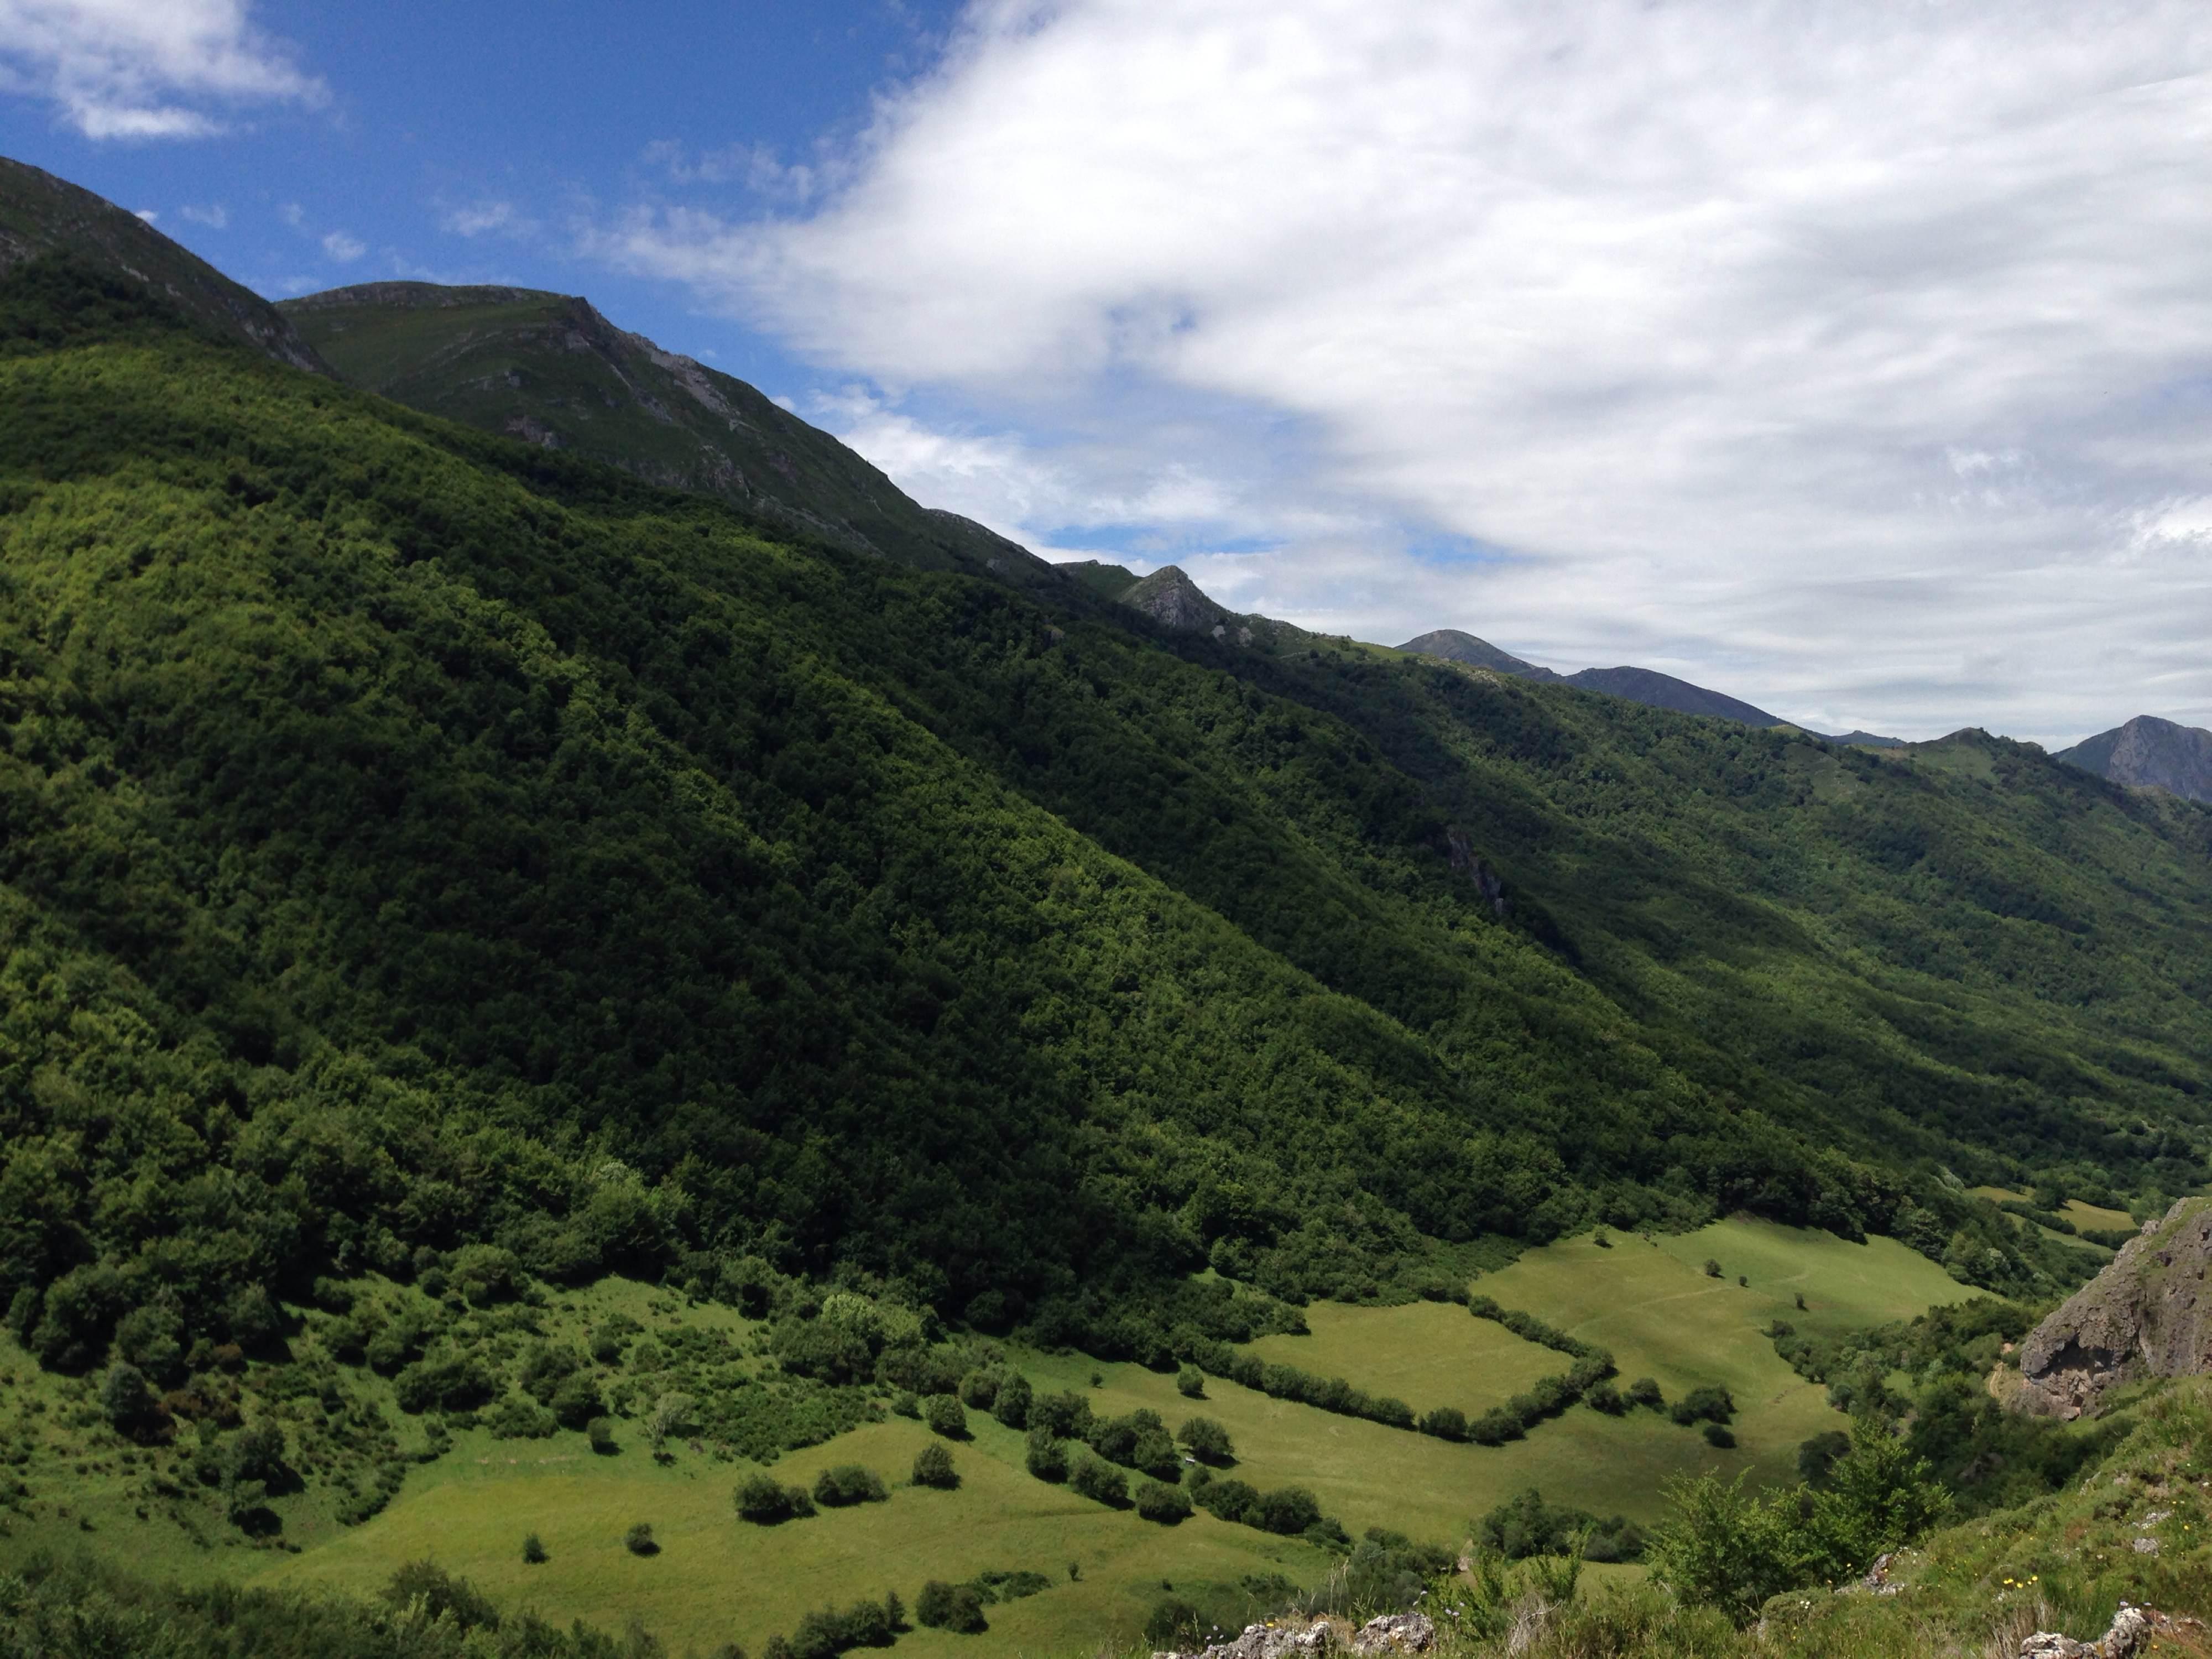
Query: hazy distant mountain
1643, 685
1107, 580
550, 369
1453, 646
40, 214
1657, 690
2150, 753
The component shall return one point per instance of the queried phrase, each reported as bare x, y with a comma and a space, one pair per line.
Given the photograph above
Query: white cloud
486, 218
127, 68
344, 248
1832, 356
292, 214
214, 217
150, 215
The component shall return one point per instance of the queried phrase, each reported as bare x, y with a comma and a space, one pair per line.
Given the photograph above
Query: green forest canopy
411, 841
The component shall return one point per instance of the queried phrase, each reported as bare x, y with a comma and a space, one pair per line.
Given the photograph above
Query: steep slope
550, 369
1452, 646
1656, 690
447, 842
2150, 753
41, 215
2143, 1316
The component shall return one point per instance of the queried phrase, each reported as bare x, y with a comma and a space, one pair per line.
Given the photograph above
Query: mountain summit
550, 369
41, 215
2150, 753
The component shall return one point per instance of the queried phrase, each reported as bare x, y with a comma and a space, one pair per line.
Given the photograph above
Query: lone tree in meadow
932, 1466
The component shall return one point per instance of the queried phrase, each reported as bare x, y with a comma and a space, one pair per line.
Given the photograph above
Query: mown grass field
717, 1579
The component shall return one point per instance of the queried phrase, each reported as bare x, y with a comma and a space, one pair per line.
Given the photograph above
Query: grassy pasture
1427, 1353
717, 1579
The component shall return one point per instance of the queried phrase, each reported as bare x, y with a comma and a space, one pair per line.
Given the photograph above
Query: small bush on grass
1704, 1405
1644, 1391
956, 1607
1190, 1382
932, 1466
1718, 1436
602, 1434
943, 1413
847, 1484
1166, 1505
1098, 1480
765, 1502
638, 1540
1445, 1422
533, 1550
1207, 1441
1044, 1456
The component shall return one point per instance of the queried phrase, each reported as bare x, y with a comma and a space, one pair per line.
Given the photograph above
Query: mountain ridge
2150, 753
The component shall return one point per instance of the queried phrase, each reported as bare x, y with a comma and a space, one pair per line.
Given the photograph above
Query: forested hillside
412, 839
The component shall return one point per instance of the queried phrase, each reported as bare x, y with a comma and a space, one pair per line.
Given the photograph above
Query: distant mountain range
1644, 685
2150, 753
550, 369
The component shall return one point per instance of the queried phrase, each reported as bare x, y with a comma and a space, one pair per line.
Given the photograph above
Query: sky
1855, 359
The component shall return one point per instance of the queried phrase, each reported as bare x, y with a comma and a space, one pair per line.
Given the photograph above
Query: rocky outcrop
1381, 1637
2146, 1315
1174, 601
2130, 1633
2150, 753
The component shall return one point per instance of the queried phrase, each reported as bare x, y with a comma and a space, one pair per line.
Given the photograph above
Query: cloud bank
1856, 360
145, 68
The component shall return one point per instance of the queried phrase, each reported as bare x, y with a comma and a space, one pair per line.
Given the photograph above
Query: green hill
455, 821
549, 369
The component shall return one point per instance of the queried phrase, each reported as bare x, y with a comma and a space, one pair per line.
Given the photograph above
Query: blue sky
1849, 360
430, 112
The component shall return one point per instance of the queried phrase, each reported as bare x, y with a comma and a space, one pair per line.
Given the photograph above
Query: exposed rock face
1395, 1632
1174, 601
2130, 1632
2146, 1315
1288, 1640
2150, 753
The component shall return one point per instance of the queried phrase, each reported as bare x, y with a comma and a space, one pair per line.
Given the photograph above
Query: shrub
932, 1466
1716, 1435
638, 1540
602, 1432
761, 1500
1712, 1268
442, 1596
1045, 1457
1068, 1416
1288, 1510
958, 1607
943, 1414
533, 1550
1173, 1623
1207, 1441
1227, 1500
1445, 1422
1165, 1505
1011, 1408
576, 1401
906, 1403
1098, 1480
1644, 1391
1703, 1405
980, 1387
1496, 1426
847, 1484
1816, 1456
128, 1403
1604, 1397
1190, 1382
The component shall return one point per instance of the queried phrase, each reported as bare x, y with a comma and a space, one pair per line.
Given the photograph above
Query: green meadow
717, 1579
